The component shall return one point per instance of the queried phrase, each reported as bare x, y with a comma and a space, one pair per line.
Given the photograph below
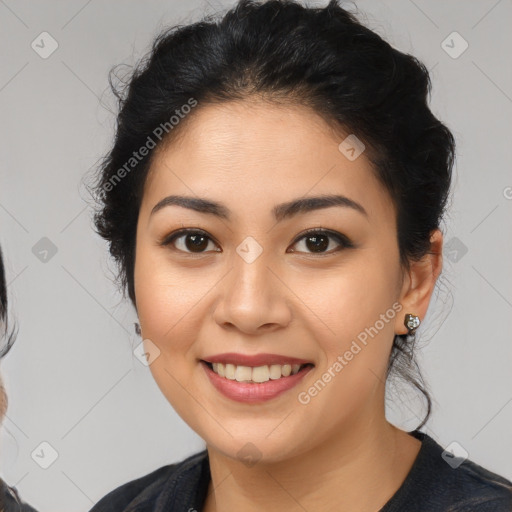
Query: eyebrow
280, 211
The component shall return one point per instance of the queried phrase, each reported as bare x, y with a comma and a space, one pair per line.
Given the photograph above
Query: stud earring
137, 328
412, 322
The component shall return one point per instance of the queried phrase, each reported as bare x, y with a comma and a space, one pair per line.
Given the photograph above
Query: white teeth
275, 371
255, 374
260, 374
229, 371
243, 373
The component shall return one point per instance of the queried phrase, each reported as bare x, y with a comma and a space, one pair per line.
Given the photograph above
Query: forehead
253, 154
262, 131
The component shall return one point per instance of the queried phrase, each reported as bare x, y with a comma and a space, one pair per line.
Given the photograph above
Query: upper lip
254, 360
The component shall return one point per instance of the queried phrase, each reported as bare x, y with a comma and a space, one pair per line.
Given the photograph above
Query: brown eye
192, 241
319, 240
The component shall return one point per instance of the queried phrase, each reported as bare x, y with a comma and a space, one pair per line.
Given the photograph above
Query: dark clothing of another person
10, 500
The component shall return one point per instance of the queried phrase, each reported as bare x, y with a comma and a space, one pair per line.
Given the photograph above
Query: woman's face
255, 283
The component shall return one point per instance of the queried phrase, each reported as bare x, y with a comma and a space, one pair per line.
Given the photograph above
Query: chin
251, 450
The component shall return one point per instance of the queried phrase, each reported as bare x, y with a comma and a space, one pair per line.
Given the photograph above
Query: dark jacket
437, 482
10, 500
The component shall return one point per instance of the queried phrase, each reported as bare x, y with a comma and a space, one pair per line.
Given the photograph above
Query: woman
10, 500
273, 199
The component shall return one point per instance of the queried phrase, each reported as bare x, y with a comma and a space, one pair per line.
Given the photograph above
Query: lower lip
254, 392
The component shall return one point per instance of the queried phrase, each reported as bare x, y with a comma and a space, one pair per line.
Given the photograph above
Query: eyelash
341, 239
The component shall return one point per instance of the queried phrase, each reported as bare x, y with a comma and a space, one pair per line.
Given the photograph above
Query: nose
252, 298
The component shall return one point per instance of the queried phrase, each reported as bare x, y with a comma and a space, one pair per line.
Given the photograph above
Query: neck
359, 469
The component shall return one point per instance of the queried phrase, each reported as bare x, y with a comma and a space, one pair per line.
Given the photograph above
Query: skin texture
3, 400
338, 452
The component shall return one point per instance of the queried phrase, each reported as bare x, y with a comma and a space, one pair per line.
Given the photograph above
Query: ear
420, 281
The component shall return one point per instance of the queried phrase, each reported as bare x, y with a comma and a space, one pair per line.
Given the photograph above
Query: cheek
360, 307
355, 297
165, 300
165, 306
3, 400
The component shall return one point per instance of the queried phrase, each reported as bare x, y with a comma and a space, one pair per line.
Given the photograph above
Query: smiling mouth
256, 374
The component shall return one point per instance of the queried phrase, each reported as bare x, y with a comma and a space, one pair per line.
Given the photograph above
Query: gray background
71, 377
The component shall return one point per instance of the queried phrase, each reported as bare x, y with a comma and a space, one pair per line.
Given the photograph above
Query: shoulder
481, 489
10, 500
441, 481
142, 493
